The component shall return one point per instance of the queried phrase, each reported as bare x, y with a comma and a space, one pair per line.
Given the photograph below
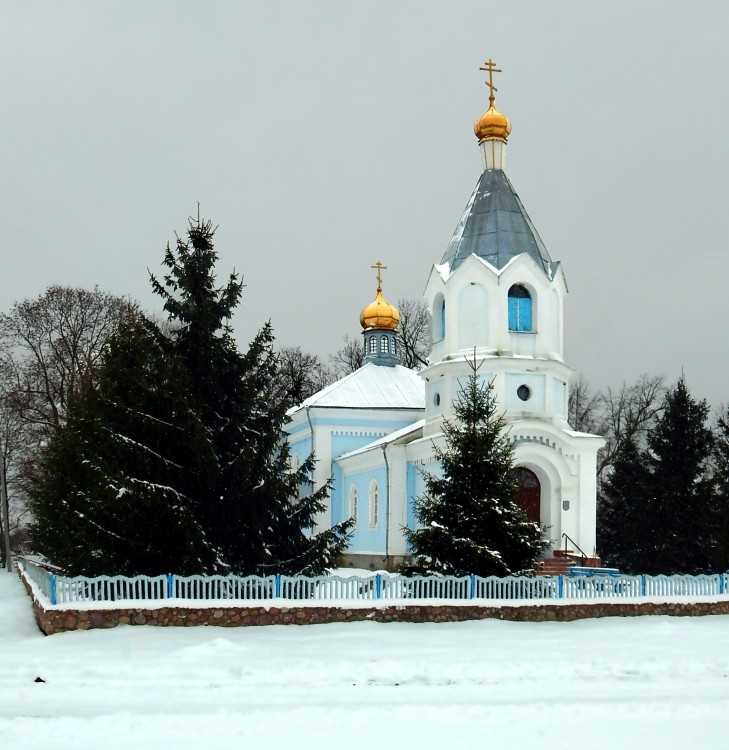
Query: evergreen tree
119, 479
470, 520
661, 517
680, 496
250, 510
720, 515
626, 510
173, 458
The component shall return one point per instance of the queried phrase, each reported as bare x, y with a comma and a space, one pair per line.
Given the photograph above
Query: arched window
295, 463
374, 504
439, 319
373, 345
394, 346
353, 503
384, 345
520, 309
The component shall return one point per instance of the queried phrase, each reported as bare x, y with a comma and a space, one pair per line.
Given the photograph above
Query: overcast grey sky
321, 136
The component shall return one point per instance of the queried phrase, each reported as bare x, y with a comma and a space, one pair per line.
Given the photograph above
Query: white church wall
554, 343
559, 398
473, 317
587, 523
536, 396
397, 494
553, 475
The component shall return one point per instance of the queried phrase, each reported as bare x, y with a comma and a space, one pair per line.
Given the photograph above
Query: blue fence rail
65, 590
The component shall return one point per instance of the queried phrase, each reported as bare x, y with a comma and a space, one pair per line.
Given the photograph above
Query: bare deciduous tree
300, 375
51, 343
630, 412
413, 338
48, 346
617, 415
348, 359
413, 333
586, 410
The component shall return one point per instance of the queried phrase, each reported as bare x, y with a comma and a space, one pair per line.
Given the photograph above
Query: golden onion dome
492, 125
380, 315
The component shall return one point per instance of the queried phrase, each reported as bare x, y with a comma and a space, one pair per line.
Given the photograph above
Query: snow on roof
372, 387
391, 438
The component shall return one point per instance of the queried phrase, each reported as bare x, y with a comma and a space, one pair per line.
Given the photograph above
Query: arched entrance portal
529, 493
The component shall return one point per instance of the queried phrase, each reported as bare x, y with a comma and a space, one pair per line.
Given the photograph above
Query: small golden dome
380, 315
492, 125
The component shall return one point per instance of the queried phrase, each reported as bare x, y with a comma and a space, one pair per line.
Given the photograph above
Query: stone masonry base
59, 620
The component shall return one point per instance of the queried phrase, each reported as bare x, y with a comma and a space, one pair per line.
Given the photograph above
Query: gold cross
379, 268
490, 66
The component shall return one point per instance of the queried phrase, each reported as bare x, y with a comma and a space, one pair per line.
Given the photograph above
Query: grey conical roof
496, 227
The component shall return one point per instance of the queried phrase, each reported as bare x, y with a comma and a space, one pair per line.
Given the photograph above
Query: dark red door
529, 493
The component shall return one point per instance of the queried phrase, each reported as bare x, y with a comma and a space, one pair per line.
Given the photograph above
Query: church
495, 295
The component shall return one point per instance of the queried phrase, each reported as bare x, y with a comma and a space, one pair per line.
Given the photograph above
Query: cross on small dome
379, 314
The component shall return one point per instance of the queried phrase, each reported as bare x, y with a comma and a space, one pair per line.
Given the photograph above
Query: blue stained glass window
520, 309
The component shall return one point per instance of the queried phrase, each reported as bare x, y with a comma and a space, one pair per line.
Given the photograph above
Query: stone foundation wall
59, 620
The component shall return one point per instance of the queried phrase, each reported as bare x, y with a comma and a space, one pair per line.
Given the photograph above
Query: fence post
53, 588
560, 586
277, 592
170, 586
642, 585
378, 586
473, 585
721, 583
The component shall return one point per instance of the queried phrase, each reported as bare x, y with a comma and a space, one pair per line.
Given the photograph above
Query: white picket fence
61, 590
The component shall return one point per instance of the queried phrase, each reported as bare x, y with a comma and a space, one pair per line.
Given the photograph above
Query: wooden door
529, 494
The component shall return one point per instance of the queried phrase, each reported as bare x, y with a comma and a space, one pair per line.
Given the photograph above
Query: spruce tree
680, 487
470, 522
250, 509
625, 510
120, 478
173, 457
720, 511
660, 514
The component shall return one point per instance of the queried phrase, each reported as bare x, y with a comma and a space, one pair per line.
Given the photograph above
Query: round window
436, 399
524, 392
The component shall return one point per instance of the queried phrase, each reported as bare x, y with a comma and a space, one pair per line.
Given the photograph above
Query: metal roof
372, 387
496, 227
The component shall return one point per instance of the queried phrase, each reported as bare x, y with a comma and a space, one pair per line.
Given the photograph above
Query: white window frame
353, 503
374, 505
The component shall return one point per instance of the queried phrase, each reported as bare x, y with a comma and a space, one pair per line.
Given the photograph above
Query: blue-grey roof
496, 227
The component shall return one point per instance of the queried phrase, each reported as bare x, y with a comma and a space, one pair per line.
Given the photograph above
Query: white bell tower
496, 293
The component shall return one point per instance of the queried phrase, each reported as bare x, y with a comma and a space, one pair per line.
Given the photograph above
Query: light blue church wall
366, 538
300, 448
415, 482
346, 442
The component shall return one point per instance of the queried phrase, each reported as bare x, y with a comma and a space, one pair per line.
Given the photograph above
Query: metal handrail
577, 546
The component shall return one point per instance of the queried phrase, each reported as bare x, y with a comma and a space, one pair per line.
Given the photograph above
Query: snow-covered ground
653, 682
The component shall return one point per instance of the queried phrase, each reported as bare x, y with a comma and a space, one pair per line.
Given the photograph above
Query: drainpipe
311, 430
387, 517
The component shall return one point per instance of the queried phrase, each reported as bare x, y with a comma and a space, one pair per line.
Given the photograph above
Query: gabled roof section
496, 227
372, 387
404, 435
